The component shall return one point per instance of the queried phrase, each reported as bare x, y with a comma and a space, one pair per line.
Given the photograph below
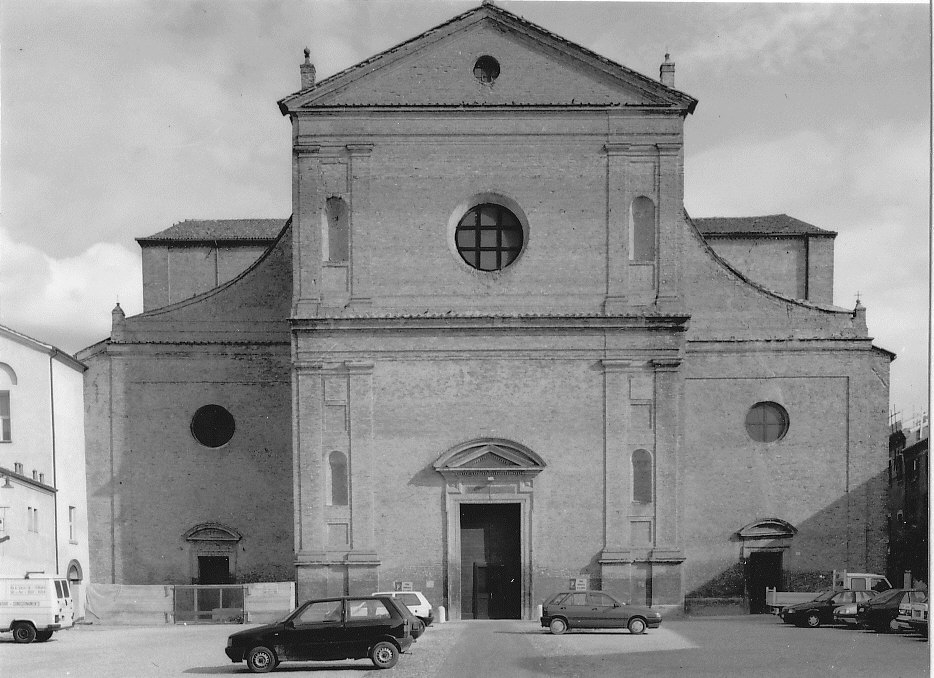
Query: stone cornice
661, 322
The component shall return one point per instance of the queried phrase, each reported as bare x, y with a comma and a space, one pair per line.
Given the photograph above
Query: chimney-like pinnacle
308, 71
118, 323
666, 72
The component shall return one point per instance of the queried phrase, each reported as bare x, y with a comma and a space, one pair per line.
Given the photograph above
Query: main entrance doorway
763, 568
491, 577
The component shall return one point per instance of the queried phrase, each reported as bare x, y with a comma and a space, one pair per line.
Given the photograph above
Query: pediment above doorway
489, 457
212, 532
770, 528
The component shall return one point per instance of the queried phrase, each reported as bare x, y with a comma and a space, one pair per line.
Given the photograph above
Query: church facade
489, 356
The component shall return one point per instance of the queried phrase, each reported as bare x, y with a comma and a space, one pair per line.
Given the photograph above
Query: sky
121, 118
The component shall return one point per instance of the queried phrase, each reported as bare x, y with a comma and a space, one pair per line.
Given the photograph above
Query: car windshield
826, 595
887, 595
288, 614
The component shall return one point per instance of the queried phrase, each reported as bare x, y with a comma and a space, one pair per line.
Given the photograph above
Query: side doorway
763, 569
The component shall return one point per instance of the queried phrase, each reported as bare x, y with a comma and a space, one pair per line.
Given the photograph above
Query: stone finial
118, 323
666, 72
859, 315
308, 71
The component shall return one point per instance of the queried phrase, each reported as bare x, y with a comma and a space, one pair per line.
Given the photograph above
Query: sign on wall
579, 583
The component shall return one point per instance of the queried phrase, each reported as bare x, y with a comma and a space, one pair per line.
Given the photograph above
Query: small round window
212, 426
486, 70
767, 422
489, 237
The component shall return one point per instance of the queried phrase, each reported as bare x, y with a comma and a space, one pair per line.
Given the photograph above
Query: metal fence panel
209, 604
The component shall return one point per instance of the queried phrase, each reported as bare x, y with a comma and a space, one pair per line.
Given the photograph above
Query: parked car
880, 613
595, 610
846, 614
416, 602
819, 611
914, 615
377, 627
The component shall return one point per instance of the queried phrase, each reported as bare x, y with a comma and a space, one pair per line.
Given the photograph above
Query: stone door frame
487, 471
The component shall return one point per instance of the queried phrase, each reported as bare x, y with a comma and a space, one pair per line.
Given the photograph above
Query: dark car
336, 628
819, 611
880, 613
595, 610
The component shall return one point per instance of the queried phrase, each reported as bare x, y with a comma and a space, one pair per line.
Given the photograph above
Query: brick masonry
404, 352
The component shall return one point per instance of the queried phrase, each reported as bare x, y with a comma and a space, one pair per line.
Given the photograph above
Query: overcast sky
122, 118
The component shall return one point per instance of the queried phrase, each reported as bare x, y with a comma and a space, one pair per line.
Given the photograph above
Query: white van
34, 608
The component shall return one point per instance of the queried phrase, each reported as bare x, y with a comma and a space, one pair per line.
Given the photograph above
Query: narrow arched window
338, 230
338, 467
642, 233
642, 476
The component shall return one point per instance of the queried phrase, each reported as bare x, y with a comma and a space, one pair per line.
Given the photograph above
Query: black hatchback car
377, 627
880, 613
819, 611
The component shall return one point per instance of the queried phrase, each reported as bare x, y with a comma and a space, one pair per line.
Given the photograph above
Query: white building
43, 491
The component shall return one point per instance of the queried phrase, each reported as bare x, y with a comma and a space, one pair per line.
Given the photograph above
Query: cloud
867, 183
58, 301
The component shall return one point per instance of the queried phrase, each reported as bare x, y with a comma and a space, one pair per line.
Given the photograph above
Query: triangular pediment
535, 68
489, 455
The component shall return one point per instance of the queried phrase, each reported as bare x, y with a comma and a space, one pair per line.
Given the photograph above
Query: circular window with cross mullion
767, 422
489, 237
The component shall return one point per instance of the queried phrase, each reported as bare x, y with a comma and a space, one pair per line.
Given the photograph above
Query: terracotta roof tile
769, 224
212, 230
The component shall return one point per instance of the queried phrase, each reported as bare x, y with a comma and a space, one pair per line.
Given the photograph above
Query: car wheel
812, 620
261, 660
558, 626
636, 625
42, 636
384, 655
24, 632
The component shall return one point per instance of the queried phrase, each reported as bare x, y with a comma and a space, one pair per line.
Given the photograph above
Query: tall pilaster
667, 556
306, 229
670, 256
617, 229
360, 292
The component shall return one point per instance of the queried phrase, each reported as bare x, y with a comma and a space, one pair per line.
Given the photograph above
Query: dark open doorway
213, 570
763, 568
491, 581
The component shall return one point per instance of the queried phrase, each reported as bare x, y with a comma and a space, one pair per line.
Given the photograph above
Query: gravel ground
700, 648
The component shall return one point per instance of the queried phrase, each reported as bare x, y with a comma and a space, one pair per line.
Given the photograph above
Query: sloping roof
770, 224
218, 230
42, 347
651, 91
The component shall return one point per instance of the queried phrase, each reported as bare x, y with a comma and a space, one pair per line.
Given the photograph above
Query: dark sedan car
819, 611
880, 613
377, 627
595, 610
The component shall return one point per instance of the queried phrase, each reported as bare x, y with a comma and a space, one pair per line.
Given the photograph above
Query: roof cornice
650, 87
